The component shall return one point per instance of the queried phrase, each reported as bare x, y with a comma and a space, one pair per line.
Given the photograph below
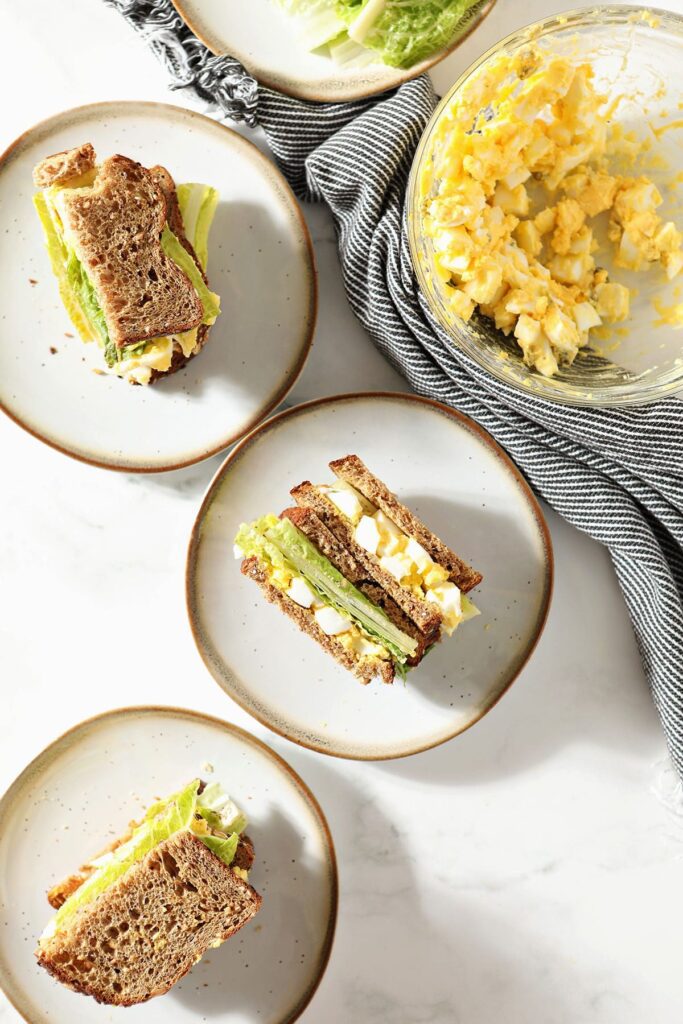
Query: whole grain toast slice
364, 668
59, 893
145, 932
59, 168
426, 616
306, 520
116, 227
352, 470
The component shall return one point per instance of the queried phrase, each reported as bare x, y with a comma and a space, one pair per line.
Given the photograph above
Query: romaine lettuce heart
181, 257
403, 32
198, 207
223, 847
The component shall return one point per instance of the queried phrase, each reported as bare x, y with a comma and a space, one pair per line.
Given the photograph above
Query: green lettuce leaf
181, 257
277, 539
198, 206
252, 542
223, 847
403, 32
58, 256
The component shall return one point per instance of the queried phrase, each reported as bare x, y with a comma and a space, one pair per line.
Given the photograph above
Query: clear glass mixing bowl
637, 55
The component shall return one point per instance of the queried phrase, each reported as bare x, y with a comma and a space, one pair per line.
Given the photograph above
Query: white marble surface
527, 873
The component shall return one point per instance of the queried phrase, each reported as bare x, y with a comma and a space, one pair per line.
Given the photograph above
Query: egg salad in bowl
543, 214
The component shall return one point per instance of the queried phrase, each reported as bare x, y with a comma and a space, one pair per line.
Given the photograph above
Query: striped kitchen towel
616, 474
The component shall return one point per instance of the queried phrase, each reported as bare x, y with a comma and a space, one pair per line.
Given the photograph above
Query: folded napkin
616, 474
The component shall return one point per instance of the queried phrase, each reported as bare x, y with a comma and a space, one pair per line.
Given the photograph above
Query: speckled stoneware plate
265, 40
464, 487
84, 788
260, 262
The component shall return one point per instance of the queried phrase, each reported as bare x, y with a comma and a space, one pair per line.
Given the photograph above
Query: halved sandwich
376, 624
129, 252
133, 920
425, 578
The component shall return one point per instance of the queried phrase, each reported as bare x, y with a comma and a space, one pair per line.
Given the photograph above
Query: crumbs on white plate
207, 767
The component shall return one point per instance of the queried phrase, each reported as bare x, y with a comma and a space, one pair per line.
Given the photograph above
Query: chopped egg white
300, 592
347, 501
331, 622
417, 553
406, 560
367, 534
449, 600
398, 565
392, 539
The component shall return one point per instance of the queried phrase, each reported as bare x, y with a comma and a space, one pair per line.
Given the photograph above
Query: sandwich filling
210, 815
295, 566
400, 555
136, 362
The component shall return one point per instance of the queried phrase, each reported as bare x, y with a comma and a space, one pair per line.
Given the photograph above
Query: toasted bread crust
117, 227
175, 221
353, 471
150, 927
426, 616
62, 167
364, 669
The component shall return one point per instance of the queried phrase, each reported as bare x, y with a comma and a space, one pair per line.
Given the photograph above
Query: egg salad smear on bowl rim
522, 162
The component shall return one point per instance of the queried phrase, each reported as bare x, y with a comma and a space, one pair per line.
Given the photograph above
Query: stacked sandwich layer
129, 252
358, 572
135, 918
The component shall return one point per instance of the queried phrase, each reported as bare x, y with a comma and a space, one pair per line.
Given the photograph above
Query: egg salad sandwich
359, 573
129, 251
134, 919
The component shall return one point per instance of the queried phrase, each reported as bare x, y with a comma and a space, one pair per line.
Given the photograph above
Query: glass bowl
637, 54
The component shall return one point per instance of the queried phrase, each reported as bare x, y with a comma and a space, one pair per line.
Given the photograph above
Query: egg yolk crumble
522, 170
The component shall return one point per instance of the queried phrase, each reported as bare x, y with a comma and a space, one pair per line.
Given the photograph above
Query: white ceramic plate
464, 487
260, 262
84, 788
265, 40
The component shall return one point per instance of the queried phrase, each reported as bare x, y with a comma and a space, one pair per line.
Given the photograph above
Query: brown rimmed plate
260, 262
465, 488
84, 788
265, 40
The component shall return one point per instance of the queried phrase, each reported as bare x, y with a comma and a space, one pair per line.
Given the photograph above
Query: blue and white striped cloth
615, 474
